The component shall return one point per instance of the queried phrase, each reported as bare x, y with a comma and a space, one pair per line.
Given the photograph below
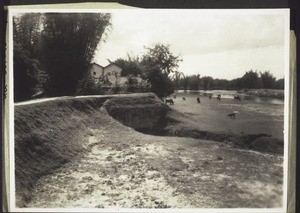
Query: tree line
250, 80
164, 81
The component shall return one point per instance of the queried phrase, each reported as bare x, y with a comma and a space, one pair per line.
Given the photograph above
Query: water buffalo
231, 115
237, 98
169, 100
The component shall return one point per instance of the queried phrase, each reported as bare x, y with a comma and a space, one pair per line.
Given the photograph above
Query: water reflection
264, 100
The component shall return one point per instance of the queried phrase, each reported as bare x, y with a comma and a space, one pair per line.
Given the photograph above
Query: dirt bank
129, 169
52, 132
71, 153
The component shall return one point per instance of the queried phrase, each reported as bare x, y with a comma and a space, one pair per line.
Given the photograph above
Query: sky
219, 44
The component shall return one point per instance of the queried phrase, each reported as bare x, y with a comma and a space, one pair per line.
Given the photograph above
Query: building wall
110, 71
96, 71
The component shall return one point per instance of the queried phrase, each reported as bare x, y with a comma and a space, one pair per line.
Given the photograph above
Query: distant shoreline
272, 93
267, 93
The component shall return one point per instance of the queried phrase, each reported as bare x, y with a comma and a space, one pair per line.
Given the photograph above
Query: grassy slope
52, 133
48, 135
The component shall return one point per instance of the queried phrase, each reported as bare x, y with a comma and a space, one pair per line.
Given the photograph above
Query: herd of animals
170, 101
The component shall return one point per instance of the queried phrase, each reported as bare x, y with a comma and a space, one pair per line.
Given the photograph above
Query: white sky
221, 45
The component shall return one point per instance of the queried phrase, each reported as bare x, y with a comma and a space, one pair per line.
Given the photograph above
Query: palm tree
177, 76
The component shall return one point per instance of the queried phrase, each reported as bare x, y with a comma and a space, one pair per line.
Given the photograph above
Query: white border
12, 11
287, 106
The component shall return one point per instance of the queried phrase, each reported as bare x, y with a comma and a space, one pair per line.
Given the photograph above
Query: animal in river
231, 115
219, 97
183, 98
169, 100
237, 98
198, 100
209, 96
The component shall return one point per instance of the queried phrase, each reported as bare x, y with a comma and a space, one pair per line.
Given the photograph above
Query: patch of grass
179, 125
132, 102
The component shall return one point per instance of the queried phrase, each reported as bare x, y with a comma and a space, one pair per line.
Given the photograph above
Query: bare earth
128, 169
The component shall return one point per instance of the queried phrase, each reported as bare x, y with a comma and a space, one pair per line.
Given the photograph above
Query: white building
111, 72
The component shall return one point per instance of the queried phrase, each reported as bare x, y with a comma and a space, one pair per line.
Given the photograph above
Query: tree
249, 80
194, 82
158, 62
27, 69
184, 82
268, 80
207, 82
69, 42
176, 78
279, 84
130, 66
161, 58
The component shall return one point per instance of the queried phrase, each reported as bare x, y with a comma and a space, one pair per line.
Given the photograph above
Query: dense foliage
130, 66
69, 43
250, 80
26, 65
53, 51
158, 65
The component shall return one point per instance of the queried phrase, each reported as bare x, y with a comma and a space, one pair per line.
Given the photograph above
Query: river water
252, 103
229, 94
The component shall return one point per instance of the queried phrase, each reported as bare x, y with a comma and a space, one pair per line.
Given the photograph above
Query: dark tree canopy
161, 58
268, 80
279, 84
194, 82
26, 33
250, 80
69, 43
157, 63
130, 66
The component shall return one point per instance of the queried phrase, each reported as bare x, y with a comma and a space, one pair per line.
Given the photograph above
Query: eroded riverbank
119, 167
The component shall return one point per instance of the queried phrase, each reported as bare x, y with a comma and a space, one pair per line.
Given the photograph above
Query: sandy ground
127, 169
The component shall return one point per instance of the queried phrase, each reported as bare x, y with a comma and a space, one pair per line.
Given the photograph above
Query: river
229, 94
252, 103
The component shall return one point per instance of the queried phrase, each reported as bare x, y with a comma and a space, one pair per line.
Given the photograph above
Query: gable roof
113, 64
97, 65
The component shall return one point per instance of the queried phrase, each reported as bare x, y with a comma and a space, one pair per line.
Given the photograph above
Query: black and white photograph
154, 109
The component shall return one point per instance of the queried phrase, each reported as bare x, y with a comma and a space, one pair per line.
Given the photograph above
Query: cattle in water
219, 97
169, 100
183, 98
231, 115
237, 98
198, 100
209, 96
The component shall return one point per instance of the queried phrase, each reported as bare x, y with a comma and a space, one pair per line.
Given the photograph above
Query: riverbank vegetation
250, 80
